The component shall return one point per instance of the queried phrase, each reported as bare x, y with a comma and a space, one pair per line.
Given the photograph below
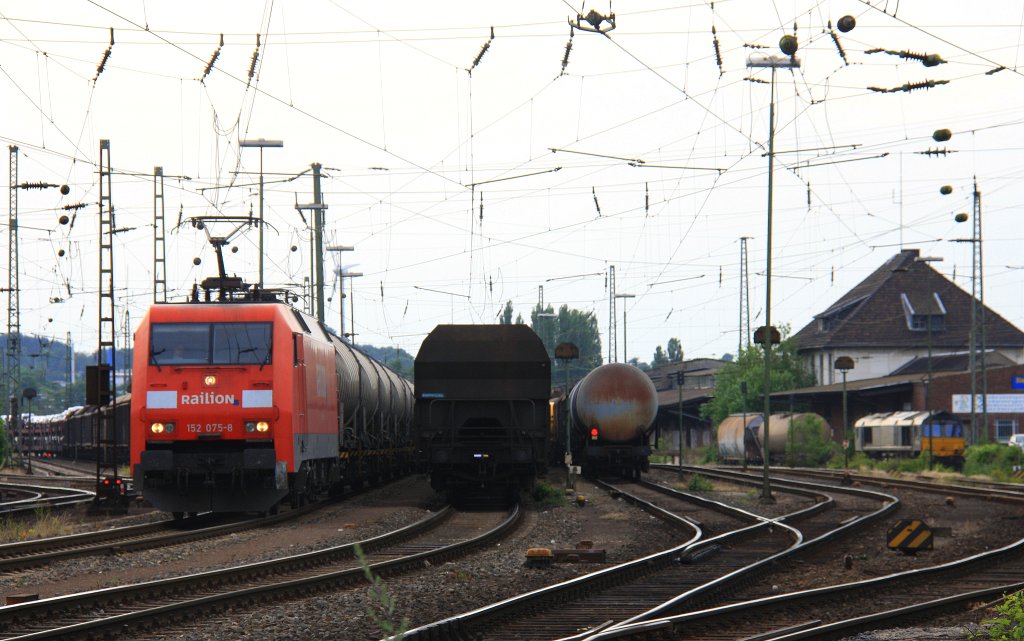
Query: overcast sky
658, 126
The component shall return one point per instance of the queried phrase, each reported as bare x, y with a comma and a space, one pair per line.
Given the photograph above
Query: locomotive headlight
262, 426
156, 428
209, 380
169, 428
250, 426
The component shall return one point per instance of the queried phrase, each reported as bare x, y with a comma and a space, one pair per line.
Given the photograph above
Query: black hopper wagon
482, 411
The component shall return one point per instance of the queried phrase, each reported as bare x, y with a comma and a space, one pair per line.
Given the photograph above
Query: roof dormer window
923, 312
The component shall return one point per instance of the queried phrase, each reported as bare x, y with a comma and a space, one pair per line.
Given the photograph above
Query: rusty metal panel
617, 399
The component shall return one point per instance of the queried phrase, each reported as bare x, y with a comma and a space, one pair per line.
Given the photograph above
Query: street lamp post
567, 352
351, 303
928, 380
845, 364
28, 394
261, 143
765, 336
316, 242
772, 62
680, 377
743, 394
341, 285
625, 357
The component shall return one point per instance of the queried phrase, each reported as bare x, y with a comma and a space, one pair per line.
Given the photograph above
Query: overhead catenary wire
495, 199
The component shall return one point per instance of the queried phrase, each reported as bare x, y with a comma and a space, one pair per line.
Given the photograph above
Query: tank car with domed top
611, 411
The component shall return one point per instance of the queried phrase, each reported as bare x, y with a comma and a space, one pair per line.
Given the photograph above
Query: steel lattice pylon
12, 357
159, 246
106, 356
613, 348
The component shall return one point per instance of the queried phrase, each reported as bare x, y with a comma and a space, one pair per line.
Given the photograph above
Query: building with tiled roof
901, 312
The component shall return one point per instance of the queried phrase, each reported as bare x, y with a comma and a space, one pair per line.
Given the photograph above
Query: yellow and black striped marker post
909, 536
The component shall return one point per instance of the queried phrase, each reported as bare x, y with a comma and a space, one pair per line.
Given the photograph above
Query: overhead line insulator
718, 49
568, 49
213, 59
106, 56
483, 50
255, 57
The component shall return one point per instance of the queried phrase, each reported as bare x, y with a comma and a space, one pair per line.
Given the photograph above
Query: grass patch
993, 460
547, 495
699, 484
45, 524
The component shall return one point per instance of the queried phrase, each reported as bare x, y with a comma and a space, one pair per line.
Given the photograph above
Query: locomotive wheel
178, 516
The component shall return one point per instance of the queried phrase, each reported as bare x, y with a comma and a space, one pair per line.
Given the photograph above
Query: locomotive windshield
210, 344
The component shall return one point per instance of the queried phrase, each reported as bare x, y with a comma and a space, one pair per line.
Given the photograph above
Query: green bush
992, 459
857, 460
699, 484
907, 465
710, 454
1009, 624
807, 445
547, 494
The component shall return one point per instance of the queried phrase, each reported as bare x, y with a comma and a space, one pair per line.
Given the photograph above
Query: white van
1017, 440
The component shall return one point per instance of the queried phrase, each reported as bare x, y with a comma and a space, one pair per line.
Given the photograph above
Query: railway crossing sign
909, 536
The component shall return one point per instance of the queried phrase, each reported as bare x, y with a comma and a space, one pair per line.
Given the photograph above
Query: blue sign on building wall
1017, 382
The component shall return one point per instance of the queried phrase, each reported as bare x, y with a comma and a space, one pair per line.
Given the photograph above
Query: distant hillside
394, 357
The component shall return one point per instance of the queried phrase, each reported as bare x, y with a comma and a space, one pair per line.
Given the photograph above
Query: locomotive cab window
210, 344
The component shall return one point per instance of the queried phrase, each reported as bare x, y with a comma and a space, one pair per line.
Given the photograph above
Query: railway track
20, 498
50, 472
1013, 492
836, 611
843, 610
147, 606
36, 552
616, 594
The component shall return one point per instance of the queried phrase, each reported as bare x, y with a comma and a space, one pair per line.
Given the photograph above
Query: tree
506, 314
659, 357
808, 444
787, 373
675, 350
568, 326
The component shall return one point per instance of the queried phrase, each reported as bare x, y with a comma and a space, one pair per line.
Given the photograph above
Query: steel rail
62, 497
813, 598
264, 590
723, 584
1009, 492
891, 617
993, 561
461, 626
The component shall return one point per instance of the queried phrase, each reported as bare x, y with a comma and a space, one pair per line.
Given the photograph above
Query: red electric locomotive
240, 403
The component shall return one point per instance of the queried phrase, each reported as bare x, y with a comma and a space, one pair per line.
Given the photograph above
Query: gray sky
379, 93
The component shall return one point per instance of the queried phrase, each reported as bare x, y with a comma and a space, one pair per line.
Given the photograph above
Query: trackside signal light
593, 433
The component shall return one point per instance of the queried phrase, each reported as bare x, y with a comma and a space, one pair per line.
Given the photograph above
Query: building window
919, 322
1005, 428
933, 318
